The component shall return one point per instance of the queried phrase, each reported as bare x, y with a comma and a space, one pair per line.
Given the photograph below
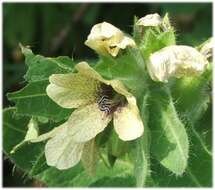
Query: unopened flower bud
207, 49
150, 20
177, 61
105, 39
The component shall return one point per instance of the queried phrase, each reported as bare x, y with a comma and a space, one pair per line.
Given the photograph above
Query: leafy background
60, 29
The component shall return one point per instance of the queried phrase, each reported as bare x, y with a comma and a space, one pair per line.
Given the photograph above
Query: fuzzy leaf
142, 151
40, 68
169, 138
14, 130
35, 165
40, 165
185, 89
125, 181
199, 170
77, 176
32, 100
32, 133
155, 41
117, 147
120, 68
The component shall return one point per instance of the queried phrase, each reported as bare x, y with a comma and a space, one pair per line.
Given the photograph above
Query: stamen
104, 104
108, 100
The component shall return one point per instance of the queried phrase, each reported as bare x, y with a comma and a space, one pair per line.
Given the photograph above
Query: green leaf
128, 67
31, 133
77, 176
32, 100
199, 170
111, 159
102, 138
183, 90
201, 139
137, 33
14, 130
142, 151
116, 147
142, 161
40, 165
40, 68
204, 128
155, 41
127, 181
169, 138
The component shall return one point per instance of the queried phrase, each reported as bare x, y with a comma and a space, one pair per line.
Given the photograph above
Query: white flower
154, 20
105, 38
207, 48
150, 20
98, 101
177, 61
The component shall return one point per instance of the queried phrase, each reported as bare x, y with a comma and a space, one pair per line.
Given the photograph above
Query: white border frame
97, 1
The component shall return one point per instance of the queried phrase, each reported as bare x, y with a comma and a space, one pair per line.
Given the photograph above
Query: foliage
174, 143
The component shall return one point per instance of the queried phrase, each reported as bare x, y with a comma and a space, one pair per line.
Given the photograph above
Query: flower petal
176, 61
61, 152
102, 36
86, 122
71, 90
84, 69
50, 134
90, 157
127, 122
126, 42
150, 20
32, 130
105, 38
104, 30
207, 48
117, 85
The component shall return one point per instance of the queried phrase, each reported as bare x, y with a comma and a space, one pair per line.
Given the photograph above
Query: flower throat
108, 100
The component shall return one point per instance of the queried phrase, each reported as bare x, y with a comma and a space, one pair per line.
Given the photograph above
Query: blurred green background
54, 29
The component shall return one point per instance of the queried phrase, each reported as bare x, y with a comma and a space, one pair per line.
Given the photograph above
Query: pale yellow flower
105, 38
98, 101
177, 61
150, 20
207, 48
154, 20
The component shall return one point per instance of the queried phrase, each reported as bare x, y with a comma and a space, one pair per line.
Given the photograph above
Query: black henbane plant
138, 115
